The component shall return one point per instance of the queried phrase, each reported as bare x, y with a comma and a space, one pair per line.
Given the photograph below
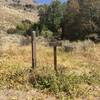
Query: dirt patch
23, 95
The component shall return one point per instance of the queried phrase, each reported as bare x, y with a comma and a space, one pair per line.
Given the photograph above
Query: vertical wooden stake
55, 58
33, 40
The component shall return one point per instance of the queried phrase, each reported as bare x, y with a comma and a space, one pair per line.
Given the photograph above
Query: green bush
11, 31
57, 84
47, 34
24, 27
66, 83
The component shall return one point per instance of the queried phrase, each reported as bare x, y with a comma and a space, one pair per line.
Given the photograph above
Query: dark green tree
70, 24
51, 16
81, 18
90, 16
75, 19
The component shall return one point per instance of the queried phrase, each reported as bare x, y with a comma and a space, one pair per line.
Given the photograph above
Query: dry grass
14, 16
81, 66
15, 64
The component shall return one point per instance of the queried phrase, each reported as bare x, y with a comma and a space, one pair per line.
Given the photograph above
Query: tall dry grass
83, 64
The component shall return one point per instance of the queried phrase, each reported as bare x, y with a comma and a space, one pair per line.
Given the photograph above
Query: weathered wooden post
55, 44
55, 57
33, 40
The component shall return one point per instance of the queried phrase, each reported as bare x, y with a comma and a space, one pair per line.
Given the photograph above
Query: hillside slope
9, 17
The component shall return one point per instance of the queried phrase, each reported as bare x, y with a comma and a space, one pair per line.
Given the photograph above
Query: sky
47, 1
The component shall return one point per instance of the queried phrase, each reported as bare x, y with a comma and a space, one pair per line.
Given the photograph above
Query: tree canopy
74, 19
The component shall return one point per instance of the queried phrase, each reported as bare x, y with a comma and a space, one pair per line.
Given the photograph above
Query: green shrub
11, 31
24, 26
47, 34
64, 83
58, 83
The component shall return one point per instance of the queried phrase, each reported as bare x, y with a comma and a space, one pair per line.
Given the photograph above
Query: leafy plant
24, 27
47, 34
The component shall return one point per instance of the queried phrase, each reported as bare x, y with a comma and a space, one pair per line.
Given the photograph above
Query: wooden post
33, 40
55, 58
54, 44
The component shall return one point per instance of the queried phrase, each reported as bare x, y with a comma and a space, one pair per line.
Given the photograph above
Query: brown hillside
9, 16
23, 2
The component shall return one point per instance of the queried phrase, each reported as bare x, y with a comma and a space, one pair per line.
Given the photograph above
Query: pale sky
47, 1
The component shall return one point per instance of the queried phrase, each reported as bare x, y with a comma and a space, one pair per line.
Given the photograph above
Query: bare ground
7, 94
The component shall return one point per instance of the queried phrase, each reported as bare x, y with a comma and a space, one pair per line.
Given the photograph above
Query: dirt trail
24, 95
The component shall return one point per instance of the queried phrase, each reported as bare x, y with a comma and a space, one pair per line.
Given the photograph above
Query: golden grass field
15, 65
79, 70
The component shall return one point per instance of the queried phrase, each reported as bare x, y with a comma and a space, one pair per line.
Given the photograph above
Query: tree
81, 18
90, 16
70, 24
75, 19
51, 16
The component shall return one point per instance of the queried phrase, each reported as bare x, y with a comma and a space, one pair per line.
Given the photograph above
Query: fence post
55, 58
33, 42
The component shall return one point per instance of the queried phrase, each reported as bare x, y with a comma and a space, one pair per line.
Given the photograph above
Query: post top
56, 43
33, 32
